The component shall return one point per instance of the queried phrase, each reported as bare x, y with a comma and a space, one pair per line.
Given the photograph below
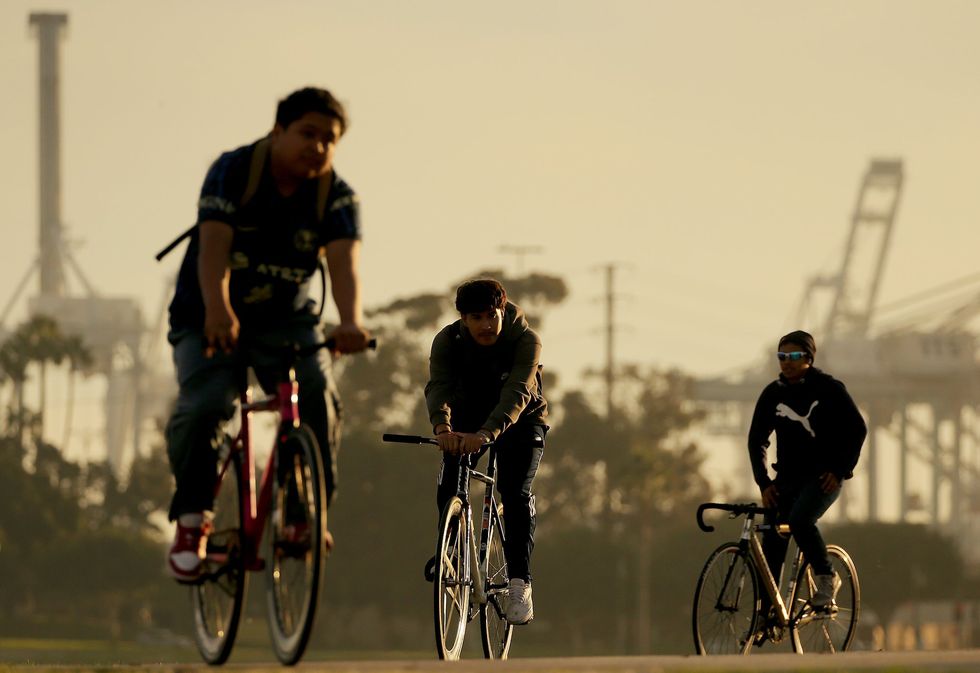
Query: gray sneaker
520, 608
825, 591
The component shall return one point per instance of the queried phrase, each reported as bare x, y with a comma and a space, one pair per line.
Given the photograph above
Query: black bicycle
466, 580
727, 617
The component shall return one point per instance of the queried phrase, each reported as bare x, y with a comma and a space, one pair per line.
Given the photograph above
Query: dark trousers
519, 452
801, 507
209, 388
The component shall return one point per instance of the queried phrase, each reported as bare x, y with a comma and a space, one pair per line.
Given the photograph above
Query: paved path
888, 662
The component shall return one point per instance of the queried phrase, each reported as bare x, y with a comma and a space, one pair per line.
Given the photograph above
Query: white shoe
520, 608
825, 592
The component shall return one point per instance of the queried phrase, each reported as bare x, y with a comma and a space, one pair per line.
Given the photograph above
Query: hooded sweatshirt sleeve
759, 432
439, 389
851, 431
519, 386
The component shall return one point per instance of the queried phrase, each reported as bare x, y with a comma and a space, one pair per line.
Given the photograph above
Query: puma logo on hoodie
785, 411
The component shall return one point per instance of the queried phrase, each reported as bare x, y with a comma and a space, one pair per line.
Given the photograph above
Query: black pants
209, 388
801, 507
519, 452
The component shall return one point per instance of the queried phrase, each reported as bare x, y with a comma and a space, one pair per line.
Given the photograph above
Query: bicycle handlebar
292, 351
408, 439
415, 439
329, 344
737, 509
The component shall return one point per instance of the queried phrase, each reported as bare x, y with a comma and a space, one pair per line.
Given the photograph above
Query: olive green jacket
503, 381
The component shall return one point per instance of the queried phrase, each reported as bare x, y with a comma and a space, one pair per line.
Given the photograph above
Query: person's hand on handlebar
349, 338
449, 441
473, 441
220, 330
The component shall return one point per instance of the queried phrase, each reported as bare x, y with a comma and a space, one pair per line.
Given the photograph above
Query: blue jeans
209, 388
801, 507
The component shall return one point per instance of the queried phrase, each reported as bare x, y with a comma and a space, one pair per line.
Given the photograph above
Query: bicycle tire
451, 587
217, 599
496, 632
295, 567
726, 603
814, 631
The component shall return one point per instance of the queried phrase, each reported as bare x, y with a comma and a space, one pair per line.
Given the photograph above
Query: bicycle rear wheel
726, 603
497, 633
297, 522
452, 585
826, 631
217, 599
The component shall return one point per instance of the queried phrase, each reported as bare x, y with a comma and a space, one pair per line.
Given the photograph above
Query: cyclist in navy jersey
267, 214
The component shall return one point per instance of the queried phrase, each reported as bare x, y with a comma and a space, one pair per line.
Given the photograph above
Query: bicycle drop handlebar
737, 509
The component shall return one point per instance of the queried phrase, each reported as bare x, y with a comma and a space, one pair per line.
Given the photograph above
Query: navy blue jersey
275, 246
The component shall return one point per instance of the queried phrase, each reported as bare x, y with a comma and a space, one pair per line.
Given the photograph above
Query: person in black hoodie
485, 385
819, 433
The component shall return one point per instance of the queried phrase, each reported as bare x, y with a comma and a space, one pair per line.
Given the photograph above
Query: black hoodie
818, 429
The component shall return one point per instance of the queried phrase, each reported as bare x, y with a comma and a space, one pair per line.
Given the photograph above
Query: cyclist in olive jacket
485, 385
819, 433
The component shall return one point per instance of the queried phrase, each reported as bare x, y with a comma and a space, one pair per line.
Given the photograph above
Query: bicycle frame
466, 473
256, 509
749, 540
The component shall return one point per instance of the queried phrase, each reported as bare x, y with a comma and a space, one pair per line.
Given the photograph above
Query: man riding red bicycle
267, 215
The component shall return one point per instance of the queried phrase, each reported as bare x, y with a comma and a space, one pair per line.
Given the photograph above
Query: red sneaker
184, 560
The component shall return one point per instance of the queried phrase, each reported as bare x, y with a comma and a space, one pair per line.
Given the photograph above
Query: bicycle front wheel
826, 630
217, 599
294, 563
726, 603
452, 583
496, 631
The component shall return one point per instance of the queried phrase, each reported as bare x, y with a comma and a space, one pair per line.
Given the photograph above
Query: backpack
255, 170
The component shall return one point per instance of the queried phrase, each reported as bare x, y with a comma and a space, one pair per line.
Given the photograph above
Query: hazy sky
713, 149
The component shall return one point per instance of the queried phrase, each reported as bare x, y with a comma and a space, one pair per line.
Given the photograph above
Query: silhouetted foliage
900, 562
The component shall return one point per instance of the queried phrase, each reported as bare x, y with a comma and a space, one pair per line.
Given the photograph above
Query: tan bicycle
727, 617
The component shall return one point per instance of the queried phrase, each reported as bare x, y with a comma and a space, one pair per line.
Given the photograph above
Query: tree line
617, 552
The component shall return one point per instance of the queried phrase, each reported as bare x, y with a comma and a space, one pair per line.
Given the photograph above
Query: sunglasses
794, 355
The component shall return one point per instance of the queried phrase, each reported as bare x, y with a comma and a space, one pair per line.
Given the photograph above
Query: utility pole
519, 252
609, 299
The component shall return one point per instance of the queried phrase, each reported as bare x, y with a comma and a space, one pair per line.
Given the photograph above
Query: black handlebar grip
405, 439
331, 343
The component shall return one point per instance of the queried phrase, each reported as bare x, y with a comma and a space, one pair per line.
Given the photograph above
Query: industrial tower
111, 327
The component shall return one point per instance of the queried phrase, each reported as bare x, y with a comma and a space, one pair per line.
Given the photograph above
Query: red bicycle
291, 502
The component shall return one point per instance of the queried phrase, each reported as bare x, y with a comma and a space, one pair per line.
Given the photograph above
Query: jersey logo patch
784, 411
304, 239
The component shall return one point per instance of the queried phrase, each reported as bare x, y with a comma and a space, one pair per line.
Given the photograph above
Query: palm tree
39, 340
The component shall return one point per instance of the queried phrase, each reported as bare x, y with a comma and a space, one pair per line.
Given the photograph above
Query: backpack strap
255, 169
